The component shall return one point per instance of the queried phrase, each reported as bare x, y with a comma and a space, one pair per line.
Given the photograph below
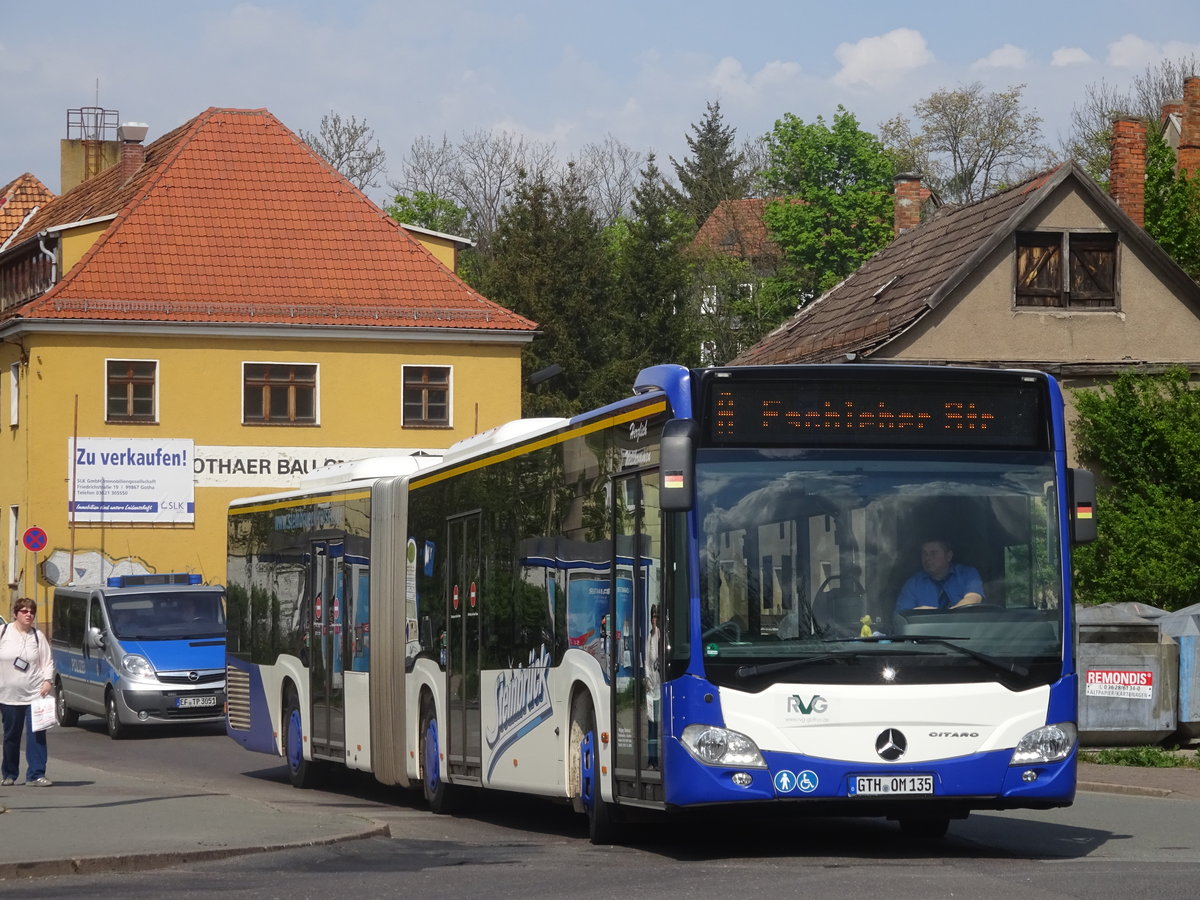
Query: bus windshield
167, 615
937, 567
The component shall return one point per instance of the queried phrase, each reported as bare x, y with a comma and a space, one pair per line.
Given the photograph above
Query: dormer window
1088, 280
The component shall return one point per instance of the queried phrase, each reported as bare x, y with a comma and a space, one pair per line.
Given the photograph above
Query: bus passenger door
462, 644
328, 694
636, 663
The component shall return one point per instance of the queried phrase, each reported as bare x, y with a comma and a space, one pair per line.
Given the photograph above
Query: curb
1129, 790
88, 865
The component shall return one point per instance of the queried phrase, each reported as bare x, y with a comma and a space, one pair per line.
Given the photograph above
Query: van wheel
65, 715
602, 824
440, 796
117, 730
301, 772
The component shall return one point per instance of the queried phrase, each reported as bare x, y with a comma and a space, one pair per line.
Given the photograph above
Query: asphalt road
506, 846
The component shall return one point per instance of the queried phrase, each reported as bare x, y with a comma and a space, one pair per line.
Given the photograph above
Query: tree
714, 171
479, 175
427, 211
1172, 212
1142, 435
550, 262
834, 210
609, 173
655, 303
350, 147
1090, 139
970, 142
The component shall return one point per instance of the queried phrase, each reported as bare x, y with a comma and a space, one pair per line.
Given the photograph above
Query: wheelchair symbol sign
806, 782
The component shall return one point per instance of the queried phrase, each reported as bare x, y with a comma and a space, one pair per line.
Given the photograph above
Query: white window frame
153, 420
14, 394
14, 543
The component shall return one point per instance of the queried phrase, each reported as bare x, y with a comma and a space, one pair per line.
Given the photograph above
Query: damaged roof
895, 289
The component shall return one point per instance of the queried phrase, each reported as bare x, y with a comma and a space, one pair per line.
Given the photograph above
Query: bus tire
927, 828
117, 730
439, 795
602, 826
65, 715
302, 773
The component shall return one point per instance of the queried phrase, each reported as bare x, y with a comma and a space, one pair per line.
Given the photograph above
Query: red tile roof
232, 218
17, 199
735, 228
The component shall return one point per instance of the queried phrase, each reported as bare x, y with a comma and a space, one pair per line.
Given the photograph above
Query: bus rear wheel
439, 795
602, 826
301, 772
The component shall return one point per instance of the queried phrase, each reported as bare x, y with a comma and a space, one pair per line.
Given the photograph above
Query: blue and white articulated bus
701, 595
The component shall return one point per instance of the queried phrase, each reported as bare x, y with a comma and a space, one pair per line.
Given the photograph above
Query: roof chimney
133, 154
1128, 180
1189, 128
907, 199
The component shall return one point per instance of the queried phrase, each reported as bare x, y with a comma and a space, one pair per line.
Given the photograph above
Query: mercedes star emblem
891, 744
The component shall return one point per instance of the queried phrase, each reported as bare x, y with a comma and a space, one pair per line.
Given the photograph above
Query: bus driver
942, 583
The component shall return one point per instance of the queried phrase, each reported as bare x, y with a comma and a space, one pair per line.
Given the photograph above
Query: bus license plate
875, 785
184, 702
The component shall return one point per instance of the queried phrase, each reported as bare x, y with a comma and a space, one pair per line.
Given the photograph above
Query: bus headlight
1050, 743
715, 746
137, 665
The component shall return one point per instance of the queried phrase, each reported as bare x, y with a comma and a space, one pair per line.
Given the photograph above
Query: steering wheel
847, 585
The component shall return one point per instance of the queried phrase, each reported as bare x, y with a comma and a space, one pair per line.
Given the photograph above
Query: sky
565, 72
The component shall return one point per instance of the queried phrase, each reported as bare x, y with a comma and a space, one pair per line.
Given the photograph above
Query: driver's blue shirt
922, 590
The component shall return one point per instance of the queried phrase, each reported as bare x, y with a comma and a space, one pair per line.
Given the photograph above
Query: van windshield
167, 615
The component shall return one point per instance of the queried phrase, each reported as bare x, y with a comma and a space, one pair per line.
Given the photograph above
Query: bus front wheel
602, 828
929, 828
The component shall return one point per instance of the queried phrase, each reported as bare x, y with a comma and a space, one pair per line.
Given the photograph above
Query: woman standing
26, 673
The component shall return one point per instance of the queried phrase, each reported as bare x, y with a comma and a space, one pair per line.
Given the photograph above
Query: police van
140, 650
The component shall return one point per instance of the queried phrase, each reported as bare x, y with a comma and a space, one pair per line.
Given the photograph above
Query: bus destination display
817, 414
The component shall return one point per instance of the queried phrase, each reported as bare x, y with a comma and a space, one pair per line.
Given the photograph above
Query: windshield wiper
767, 668
994, 662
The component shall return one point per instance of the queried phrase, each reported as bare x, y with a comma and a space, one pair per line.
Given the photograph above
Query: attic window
1087, 281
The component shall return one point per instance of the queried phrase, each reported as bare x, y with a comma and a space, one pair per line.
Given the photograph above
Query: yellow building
210, 318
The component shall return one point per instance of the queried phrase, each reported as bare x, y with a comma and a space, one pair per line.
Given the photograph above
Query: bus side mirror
1083, 506
677, 465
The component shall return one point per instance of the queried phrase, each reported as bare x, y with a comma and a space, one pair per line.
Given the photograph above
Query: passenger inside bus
941, 583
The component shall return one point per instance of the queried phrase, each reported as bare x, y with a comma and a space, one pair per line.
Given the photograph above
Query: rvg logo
816, 704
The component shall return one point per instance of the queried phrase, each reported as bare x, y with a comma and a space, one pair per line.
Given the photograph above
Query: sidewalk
90, 820
93, 821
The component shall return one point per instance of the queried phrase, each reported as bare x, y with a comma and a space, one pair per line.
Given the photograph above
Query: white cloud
1131, 51
877, 61
731, 80
1069, 56
1009, 56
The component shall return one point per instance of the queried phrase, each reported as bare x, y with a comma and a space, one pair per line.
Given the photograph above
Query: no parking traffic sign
34, 539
